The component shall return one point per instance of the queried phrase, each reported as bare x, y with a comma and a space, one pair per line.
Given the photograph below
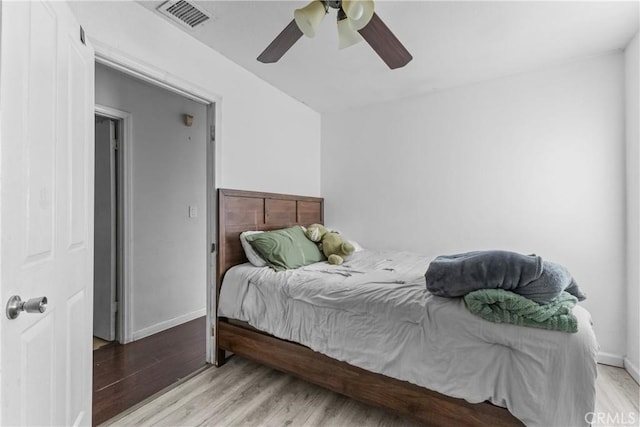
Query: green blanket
500, 306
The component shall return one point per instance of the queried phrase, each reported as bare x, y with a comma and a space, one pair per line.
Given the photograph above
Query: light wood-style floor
243, 393
617, 398
99, 342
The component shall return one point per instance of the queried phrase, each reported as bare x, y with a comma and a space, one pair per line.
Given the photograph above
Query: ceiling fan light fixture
309, 17
359, 12
347, 36
369, 26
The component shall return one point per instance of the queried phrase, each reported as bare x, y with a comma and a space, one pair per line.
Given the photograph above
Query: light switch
193, 211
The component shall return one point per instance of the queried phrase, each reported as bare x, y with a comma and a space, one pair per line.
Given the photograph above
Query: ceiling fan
356, 21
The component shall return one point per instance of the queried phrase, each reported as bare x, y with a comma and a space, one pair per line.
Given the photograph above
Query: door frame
124, 216
114, 59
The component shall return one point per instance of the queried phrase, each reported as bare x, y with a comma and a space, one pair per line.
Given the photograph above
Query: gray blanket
527, 275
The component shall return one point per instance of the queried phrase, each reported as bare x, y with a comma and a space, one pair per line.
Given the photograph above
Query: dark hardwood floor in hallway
124, 375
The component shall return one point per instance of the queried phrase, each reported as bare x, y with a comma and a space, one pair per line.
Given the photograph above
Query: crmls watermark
612, 418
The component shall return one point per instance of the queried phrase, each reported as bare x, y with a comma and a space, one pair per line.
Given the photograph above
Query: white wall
267, 141
632, 92
168, 164
531, 163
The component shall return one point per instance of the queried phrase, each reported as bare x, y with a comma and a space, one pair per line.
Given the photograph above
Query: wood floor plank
243, 393
135, 388
618, 398
125, 375
116, 362
202, 406
298, 403
270, 397
355, 414
250, 398
178, 405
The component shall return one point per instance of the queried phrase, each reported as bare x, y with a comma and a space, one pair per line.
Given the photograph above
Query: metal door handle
15, 306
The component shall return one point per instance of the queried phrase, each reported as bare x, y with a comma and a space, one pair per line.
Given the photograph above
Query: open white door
46, 214
104, 260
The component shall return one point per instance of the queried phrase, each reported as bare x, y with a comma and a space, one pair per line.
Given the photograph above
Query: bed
385, 384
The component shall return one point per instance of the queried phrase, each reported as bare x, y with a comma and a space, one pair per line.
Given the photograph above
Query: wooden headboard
240, 211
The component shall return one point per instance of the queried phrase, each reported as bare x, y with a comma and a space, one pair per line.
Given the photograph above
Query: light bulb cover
359, 12
309, 17
347, 36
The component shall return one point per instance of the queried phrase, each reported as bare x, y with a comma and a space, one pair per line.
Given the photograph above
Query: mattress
374, 312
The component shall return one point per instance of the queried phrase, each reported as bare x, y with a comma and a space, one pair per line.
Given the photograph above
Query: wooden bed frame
246, 210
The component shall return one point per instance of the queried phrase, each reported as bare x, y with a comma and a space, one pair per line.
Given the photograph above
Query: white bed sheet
374, 312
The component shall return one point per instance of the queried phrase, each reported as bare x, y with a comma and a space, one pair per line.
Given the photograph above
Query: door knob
15, 306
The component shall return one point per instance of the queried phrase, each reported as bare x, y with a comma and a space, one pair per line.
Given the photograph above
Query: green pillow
286, 248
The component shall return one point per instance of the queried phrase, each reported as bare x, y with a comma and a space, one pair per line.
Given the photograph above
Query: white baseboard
632, 370
610, 359
159, 327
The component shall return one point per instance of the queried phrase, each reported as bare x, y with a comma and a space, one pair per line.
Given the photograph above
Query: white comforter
375, 312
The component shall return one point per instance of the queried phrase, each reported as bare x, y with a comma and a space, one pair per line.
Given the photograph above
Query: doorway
105, 300
151, 216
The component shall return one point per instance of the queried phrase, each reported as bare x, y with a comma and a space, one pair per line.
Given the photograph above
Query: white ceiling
453, 43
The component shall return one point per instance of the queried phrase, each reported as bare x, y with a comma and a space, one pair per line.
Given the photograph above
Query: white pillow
356, 245
253, 256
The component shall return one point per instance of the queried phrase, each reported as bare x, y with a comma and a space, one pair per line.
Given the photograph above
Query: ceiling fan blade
281, 44
386, 45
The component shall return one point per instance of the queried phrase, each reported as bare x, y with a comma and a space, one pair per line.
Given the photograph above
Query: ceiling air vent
185, 13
